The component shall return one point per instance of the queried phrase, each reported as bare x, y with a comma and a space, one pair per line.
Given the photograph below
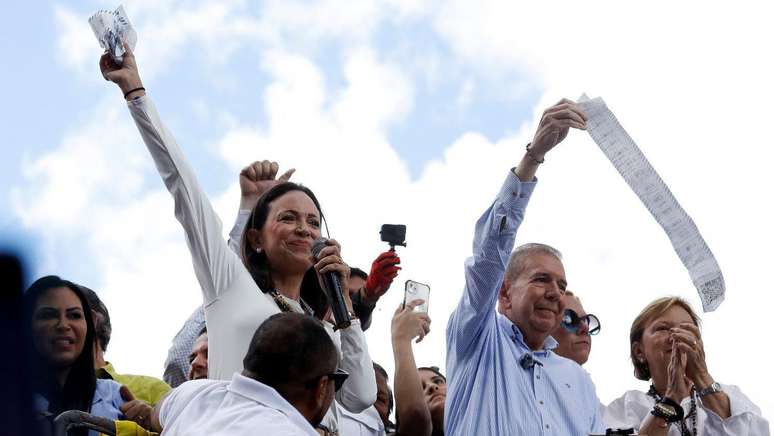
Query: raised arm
410, 406
495, 231
215, 265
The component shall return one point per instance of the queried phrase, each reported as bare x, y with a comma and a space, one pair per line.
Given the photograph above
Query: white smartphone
417, 291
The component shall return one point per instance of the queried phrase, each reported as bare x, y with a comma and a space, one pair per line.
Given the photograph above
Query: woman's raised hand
407, 324
126, 75
329, 260
677, 385
687, 338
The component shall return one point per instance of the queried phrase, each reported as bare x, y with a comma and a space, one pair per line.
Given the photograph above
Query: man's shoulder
194, 388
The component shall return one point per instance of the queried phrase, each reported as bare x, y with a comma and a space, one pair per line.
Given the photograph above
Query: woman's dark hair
78, 390
258, 264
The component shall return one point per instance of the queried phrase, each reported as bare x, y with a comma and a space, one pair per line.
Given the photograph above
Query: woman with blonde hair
683, 399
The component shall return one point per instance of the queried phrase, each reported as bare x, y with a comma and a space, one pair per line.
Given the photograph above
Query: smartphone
394, 234
417, 291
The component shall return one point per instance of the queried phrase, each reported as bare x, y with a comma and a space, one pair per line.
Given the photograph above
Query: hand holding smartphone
417, 291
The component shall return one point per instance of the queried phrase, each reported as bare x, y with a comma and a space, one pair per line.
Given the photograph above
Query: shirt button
548, 426
541, 402
538, 377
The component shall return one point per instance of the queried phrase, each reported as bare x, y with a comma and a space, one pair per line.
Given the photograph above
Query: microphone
528, 362
332, 289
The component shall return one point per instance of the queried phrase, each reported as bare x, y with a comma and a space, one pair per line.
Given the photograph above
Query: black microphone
528, 362
332, 289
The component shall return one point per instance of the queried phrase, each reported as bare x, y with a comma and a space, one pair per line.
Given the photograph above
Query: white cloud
689, 84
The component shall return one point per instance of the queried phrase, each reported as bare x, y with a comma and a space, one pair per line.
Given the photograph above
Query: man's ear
321, 392
504, 297
254, 238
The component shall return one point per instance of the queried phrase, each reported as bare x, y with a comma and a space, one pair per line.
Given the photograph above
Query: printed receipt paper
638, 173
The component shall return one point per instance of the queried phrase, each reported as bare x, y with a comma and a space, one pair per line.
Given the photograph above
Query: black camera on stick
393, 234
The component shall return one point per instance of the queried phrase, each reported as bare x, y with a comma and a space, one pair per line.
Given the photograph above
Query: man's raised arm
495, 231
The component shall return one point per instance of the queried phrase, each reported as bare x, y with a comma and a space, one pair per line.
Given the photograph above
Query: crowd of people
263, 353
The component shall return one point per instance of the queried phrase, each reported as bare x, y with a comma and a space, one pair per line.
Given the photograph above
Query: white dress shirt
242, 406
634, 406
365, 423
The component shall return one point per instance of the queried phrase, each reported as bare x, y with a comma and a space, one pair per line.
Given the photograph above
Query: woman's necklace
285, 307
684, 431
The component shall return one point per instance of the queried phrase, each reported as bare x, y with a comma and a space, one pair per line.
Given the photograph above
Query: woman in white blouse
276, 267
683, 399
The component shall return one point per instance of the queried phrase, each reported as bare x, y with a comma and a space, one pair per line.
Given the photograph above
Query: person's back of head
102, 319
293, 354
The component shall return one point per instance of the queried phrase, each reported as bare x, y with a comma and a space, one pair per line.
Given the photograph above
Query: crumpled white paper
112, 28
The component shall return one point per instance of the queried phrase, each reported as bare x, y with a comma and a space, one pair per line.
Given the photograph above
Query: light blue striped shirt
488, 391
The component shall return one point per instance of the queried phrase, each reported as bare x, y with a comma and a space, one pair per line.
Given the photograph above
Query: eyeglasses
572, 322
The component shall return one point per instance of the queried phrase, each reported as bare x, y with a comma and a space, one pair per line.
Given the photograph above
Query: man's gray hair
522, 252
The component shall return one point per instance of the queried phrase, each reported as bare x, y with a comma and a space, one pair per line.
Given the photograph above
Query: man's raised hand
552, 129
554, 126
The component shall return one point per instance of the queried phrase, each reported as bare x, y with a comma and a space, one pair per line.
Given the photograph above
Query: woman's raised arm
215, 265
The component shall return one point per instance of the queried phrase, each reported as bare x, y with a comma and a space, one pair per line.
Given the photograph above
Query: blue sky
50, 99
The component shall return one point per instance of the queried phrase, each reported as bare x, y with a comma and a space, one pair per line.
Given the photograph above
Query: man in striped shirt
503, 377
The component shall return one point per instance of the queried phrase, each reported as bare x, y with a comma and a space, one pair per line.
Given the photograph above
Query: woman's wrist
703, 380
132, 88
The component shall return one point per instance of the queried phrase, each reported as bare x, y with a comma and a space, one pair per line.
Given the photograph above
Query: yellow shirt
129, 428
143, 387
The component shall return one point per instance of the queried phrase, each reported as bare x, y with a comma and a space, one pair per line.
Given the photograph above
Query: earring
258, 250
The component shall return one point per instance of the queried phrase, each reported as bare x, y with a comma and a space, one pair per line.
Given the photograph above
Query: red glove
383, 270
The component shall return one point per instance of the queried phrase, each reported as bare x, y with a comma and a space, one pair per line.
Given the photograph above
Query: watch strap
714, 388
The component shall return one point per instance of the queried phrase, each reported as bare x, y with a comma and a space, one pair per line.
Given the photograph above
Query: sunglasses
572, 322
337, 377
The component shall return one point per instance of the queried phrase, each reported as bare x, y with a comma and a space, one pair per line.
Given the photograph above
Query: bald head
288, 350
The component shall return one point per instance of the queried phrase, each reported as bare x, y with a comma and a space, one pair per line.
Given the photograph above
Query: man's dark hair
357, 272
288, 351
103, 328
433, 369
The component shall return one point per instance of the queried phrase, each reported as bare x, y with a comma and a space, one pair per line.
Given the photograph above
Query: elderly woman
683, 399
276, 271
62, 334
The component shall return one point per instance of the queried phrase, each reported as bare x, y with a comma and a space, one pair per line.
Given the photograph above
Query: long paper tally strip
639, 174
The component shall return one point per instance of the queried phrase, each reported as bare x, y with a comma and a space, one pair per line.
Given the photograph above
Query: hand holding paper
112, 30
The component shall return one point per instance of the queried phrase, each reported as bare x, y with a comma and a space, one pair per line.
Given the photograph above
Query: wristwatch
714, 388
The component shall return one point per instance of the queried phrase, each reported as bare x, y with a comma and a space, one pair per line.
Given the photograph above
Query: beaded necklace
285, 307
684, 431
